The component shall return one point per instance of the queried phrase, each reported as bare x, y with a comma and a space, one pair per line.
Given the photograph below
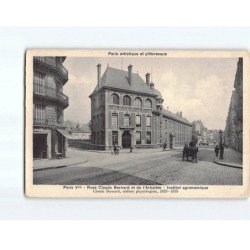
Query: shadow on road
94, 176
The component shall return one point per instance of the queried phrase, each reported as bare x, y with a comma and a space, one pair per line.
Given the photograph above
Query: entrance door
39, 146
171, 141
126, 139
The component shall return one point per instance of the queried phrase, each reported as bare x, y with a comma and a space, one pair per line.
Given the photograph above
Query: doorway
40, 146
170, 141
126, 139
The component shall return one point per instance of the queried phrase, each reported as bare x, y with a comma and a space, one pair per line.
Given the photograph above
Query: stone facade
233, 134
127, 111
49, 77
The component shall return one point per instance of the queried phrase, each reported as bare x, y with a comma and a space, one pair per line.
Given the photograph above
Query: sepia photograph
123, 119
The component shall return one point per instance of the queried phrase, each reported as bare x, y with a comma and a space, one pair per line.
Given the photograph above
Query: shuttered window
114, 120
148, 137
148, 121
138, 120
138, 137
127, 120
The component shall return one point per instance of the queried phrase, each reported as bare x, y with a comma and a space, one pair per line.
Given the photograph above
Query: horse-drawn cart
190, 152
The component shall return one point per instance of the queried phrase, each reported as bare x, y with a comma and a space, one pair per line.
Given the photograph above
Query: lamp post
221, 145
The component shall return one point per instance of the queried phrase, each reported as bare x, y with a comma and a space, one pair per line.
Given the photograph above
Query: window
51, 59
148, 121
126, 100
115, 137
148, 103
115, 99
39, 114
166, 124
114, 120
148, 137
59, 115
138, 120
138, 137
39, 83
127, 120
138, 102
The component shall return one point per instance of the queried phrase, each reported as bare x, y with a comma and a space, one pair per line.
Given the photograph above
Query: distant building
128, 111
203, 134
197, 126
233, 134
82, 132
49, 102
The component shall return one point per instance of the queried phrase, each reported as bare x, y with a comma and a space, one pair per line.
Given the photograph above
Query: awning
65, 133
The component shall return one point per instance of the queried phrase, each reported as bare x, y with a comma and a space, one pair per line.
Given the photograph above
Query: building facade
128, 111
233, 134
49, 102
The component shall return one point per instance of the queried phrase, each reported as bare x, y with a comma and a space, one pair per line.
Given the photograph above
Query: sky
199, 87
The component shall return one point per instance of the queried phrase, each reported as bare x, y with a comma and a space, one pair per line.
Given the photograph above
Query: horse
190, 152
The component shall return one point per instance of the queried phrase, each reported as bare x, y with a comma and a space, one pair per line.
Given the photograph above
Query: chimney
152, 85
181, 113
130, 73
148, 79
98, 74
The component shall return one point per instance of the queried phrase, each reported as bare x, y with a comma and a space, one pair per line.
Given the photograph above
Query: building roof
82, 129
118, 79
175, 117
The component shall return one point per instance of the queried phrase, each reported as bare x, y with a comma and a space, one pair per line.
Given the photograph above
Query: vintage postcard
137, 123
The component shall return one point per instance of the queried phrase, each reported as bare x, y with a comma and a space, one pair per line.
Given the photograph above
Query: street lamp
221, 145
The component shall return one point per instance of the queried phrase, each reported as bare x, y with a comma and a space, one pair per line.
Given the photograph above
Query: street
142, 167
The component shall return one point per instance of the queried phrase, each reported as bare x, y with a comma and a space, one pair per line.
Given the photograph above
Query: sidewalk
77, 156
127, 150
56, 163
232, 158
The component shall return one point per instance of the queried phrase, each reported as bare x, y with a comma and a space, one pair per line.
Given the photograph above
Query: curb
227, 164
64, 166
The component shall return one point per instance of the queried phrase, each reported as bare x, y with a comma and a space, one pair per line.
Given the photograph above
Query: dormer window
115, 99
138, 102
148, 103
126, 100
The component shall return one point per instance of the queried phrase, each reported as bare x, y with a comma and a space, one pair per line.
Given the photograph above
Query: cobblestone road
141, 168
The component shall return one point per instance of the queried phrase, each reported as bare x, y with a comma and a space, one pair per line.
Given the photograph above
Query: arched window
126, 100
115, 99
138, 102
148, 103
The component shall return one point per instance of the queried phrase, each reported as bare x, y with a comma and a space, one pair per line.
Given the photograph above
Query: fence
84, 144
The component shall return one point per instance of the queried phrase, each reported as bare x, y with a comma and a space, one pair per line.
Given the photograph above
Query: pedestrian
216, 150
115, 149
165, 146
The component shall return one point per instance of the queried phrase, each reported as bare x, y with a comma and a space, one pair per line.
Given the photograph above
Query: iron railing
52, 62
42, 121
51, 92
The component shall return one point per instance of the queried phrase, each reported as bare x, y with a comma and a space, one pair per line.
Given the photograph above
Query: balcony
54, 64
51, 93
40, 121
45, 122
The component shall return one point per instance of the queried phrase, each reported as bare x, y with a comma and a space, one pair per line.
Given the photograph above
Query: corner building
49, 102
233, 134
128, 111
